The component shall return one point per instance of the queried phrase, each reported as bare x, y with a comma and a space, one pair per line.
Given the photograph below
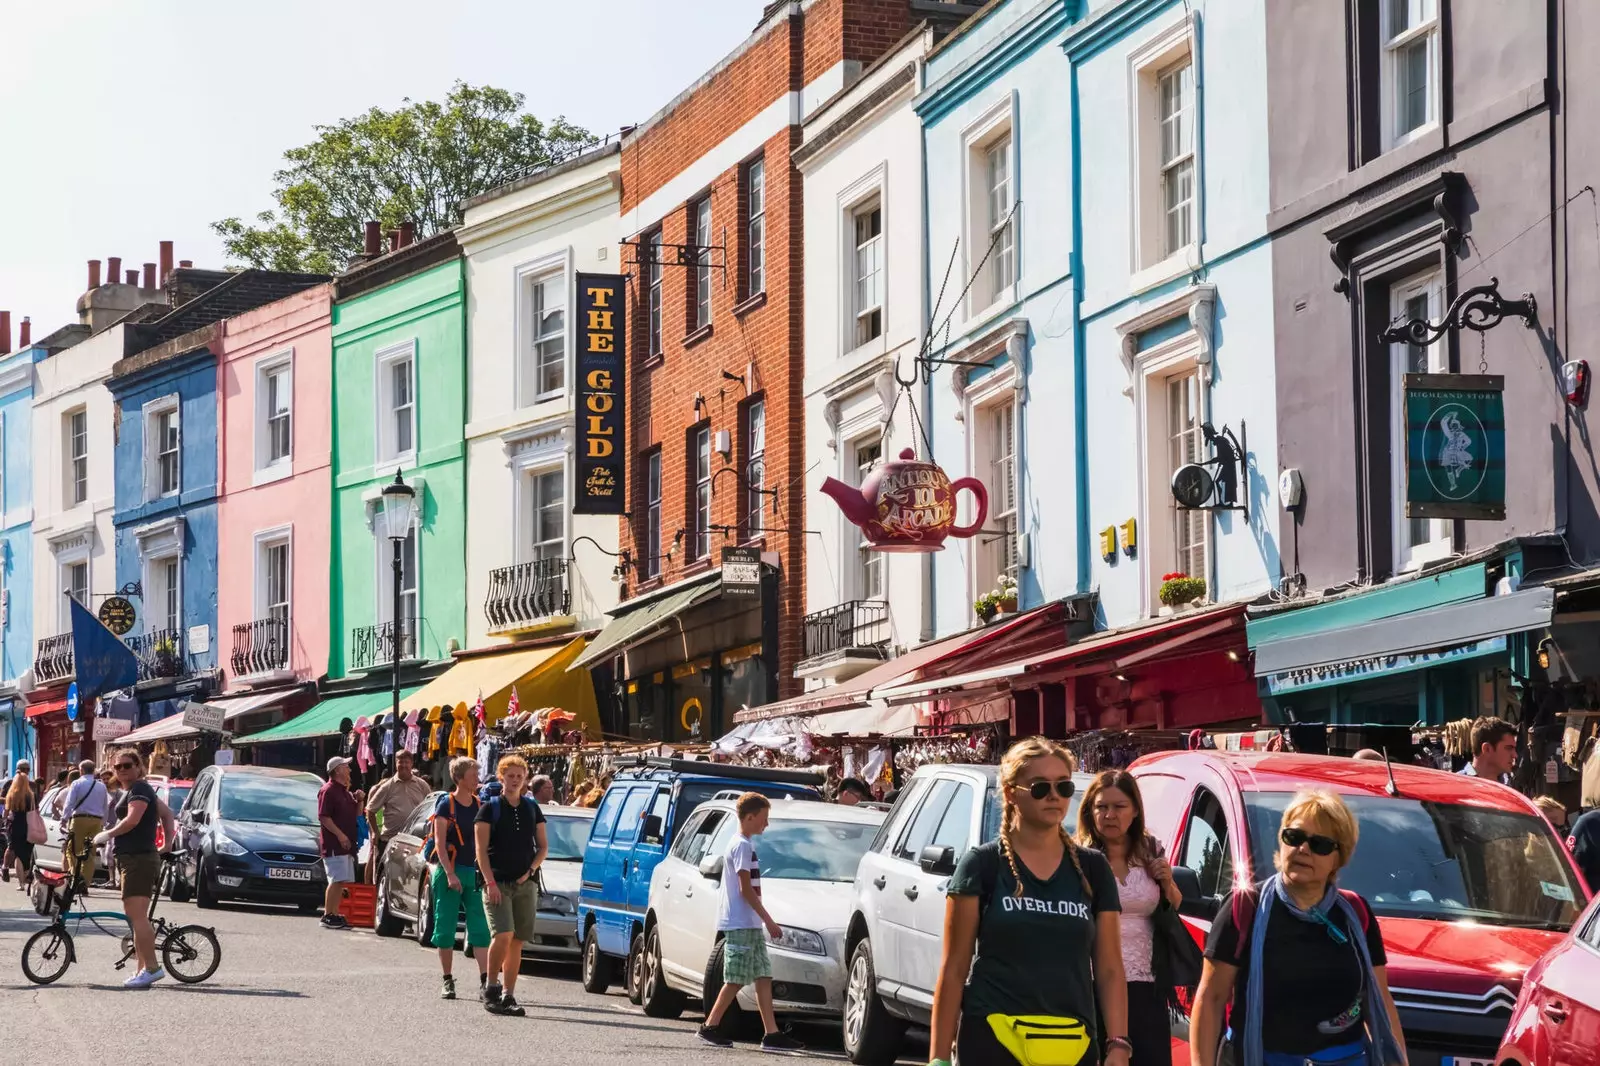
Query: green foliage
416, 163
1181, 589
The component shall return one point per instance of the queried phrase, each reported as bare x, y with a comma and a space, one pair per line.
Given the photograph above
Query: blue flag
101, 661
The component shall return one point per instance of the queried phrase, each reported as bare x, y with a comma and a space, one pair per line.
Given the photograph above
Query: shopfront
15, 738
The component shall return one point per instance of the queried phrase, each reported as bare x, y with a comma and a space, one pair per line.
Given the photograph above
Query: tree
417, 163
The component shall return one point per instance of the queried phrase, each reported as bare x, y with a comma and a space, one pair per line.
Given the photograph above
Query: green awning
636, 624
323, 719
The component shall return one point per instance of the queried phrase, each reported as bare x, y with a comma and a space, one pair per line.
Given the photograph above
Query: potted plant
165, 654
985, 606
1180, 592
1006, 590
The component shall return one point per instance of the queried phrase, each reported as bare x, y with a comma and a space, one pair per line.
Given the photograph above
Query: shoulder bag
36, 830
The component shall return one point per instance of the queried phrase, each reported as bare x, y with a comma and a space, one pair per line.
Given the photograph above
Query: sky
127, 122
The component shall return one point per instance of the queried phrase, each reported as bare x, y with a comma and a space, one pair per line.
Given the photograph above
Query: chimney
166, 261
374, 240
394, 240
408, 233
94, 273
149, 276
5, 332
185, 264
113, 269
25, 336
133, 278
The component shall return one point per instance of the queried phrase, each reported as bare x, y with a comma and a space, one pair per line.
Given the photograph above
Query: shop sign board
1455, 446
111, 728
600, 363
741, 573
1373, 666
204, 717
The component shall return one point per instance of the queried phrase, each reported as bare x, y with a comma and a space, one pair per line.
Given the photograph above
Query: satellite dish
1193, 485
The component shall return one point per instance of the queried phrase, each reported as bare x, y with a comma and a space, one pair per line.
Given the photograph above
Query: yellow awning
539, 675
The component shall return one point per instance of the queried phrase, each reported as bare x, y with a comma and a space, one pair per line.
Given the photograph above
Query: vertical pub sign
601, 360
1455, 446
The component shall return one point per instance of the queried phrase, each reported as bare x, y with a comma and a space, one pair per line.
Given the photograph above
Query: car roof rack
706, 768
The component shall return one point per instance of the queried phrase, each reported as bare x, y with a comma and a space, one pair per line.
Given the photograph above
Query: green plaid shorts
744, 956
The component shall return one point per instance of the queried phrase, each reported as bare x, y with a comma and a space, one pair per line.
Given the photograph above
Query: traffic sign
72, 702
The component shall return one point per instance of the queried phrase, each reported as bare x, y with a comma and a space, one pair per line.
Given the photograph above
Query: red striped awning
39, 710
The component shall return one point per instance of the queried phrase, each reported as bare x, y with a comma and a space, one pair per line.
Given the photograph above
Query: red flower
1173, 576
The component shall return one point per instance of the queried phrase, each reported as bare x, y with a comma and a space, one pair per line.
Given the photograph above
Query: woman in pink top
1111, 820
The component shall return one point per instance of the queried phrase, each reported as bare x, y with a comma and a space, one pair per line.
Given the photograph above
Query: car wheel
655, 997
736, 1022
424, 925
631, 982
178, 890
205, 897
872, 1036
385, 923
599, 971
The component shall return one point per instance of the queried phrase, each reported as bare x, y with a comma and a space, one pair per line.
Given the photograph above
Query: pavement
288, 990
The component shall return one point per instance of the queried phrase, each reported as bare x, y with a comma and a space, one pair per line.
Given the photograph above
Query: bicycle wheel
191, 953
47, 955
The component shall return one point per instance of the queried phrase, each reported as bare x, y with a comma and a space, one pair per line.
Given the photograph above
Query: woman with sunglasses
1031, 939
1301, 961
1111, 820
138, 862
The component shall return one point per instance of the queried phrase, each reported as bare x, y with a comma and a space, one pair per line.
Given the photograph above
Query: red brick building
711, 209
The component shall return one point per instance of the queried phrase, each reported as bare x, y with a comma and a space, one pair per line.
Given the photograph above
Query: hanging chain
1483, 358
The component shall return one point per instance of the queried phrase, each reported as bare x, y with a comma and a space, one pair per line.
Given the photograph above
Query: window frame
531, 546
72, 479
699, 491
654, 294
1000, 217
1201, 796
868, 559
935, 802
266, 540
156, 454
531, 352
267, 467
1406, 556
700, 233
66, 562
1181, 164
653, 513
860, 309
385, 359
1151, 262
753, 451
1391, 49
999, 122
754, 181
152, 565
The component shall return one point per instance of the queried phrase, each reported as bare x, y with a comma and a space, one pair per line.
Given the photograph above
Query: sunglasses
1040, 789
125, 766
1319, 845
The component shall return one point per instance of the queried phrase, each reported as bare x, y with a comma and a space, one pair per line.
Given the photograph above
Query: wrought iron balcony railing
52, 658
527, 593
372, 646
859, 625
260, 647
160, 653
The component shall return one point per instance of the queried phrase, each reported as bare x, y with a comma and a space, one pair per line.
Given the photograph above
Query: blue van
634, 827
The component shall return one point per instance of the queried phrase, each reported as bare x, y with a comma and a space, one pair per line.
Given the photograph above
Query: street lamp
399, 517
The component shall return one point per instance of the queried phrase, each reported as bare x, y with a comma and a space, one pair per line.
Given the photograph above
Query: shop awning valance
631, 624
539, 675
323, 719
166, 728
232, 708
39, 710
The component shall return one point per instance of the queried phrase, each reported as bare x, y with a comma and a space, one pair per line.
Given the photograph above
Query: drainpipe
925, 326
1196, 36
1080, 384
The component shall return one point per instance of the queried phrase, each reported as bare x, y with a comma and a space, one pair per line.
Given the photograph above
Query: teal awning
630, 626
1385, 601
323, 719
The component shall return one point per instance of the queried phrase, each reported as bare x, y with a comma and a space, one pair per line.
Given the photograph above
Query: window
1186, 444
755, 464
652, 513
700, 292
274, 413
632, 815
273, 582
77, 449
170, 602
1176, 90
700, 464
919, 833
549, 514
1164, 195
999, 427
397, 404
867, 222
698, 837
77, 582
1001, 226
955, 828
162, 445
653, 342
544, 370
1411, 78
1205, 846
869, 561
755, 184
408, 586
1416, 540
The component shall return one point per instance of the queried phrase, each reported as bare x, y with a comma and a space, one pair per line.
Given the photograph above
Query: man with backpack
452, 850
511, 840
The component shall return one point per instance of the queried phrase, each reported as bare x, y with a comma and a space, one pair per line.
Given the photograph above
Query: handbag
36, 830
1178, 959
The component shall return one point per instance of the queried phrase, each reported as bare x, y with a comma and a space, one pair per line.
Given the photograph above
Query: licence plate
1459, 1060
284, 873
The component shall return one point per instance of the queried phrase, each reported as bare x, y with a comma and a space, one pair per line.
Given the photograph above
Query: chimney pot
408, 233
373, 239
166, 260
94, 273
25, 335
133, 278
149, 276
185, 263
113, 269
5, 332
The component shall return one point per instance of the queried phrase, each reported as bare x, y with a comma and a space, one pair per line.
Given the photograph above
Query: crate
359, 905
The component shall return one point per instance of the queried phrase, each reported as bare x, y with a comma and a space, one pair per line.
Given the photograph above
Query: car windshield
813, 851
566, 837
1442, 861
281, 800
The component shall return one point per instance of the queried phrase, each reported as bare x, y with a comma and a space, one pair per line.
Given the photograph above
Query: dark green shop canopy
323, 719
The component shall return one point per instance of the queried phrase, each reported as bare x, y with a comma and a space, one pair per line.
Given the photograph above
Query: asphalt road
287, 990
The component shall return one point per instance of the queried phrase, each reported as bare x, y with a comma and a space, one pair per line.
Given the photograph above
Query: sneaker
510, 1007
490, 994
449, 989
157, 974
144, 978
335, 921
781, 1044
713, 1036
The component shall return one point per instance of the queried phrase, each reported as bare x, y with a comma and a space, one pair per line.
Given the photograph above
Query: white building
861, 164
532, 564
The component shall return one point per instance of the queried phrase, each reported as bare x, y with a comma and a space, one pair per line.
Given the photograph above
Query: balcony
372, 647
161, 654
528, 596
843, 641
52, 659
261, 650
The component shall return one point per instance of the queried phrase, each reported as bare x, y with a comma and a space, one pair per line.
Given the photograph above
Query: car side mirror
1194, 905
711, 868
937, 860
651, 828
198, 816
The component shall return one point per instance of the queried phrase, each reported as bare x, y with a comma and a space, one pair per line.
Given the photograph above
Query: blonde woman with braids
1027, 955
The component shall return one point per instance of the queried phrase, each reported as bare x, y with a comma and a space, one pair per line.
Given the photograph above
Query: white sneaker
145, 978
157, 974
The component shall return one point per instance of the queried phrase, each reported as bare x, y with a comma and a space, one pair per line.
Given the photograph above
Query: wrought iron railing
260, 647
374, 645
859, 625
527, 592
160, 654
52, 658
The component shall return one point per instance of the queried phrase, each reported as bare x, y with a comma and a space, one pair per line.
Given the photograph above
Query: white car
808, 855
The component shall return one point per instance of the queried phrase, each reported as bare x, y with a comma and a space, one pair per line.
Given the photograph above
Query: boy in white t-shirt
744, 924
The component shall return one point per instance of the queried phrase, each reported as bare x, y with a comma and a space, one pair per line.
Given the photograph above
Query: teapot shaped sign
908, 505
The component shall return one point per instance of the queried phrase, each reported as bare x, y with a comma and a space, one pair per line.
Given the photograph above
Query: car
250, 833
808, 855
637, 822
1556, 1021
896, 923
1468, 882
405, 900
48, 856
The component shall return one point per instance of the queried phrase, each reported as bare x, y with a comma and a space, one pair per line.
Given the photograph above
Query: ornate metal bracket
678, 255
1480, 308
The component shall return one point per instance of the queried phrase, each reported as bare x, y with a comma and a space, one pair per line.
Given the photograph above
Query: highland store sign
1370, 666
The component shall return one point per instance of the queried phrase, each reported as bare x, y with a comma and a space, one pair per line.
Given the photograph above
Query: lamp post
399, 516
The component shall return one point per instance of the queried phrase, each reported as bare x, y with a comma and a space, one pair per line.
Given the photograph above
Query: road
288, 990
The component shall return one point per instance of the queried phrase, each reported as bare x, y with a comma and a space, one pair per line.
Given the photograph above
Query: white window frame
1151, 262
154, 612
265, 540
701, 234
866, 261
754, 447
67, 558
1409, 554
1005, 385
653, 305
154, 447
1393, 46
161, 542
529, 455
531, 548
525, 365
652, 510
866, 558
755, 227
700, 532
69, 481
383, 361
267, 468
997, 124
384, 585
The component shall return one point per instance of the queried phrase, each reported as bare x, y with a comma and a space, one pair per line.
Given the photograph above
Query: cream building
533, 565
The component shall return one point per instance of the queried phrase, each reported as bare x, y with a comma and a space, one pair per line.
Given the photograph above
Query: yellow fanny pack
1040, 1040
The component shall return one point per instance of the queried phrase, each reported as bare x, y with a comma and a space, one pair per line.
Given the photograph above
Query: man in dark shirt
511, 844
1585, 845
338, 813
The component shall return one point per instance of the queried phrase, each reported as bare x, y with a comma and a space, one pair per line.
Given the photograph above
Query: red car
1467, 879
1557, 1018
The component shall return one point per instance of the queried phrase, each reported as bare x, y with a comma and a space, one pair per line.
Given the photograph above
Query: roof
817, 812
393, 266
560, 164
240, 292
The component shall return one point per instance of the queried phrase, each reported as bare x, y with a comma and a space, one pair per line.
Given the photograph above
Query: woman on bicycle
1039, 913
19, 801
138, 862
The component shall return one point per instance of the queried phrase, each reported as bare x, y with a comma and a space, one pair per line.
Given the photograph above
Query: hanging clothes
413, 734
461, 738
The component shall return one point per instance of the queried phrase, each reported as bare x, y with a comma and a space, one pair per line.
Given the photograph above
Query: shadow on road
264, 993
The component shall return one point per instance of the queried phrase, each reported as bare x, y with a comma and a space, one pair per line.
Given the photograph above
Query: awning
237, 706
778, 733
1439, 627
162, 729
232, 708
323, 719
540, 676
39, 710
630, 625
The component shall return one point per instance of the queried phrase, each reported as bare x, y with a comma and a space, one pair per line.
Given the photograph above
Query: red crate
359, 905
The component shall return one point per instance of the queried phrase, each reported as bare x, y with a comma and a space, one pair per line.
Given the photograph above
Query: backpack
429, 851
1244, 914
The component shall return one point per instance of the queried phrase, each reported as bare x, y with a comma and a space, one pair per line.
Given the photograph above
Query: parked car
1468, 882
1556, 1021
250, 833
809, 856
896, 924
49, 856
636, 824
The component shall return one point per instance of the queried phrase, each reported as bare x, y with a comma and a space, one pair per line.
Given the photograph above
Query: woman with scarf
1300, 960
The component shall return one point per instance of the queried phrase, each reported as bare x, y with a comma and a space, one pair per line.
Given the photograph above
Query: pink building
275, 437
